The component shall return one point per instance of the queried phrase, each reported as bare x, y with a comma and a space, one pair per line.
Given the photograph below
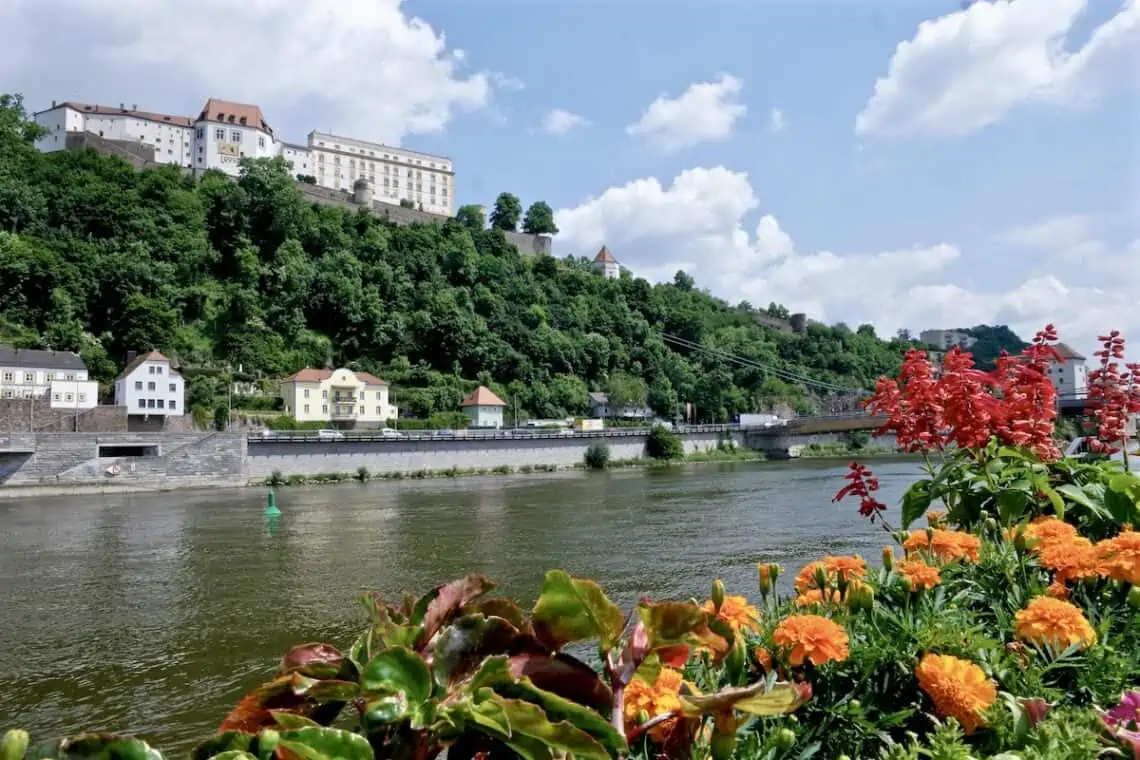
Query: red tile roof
227, 112
149, 356
1068, 353
369, 378
98, 110
309, 375
604, 256
482, 396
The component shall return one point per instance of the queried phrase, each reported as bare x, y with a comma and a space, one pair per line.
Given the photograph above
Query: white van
330, 435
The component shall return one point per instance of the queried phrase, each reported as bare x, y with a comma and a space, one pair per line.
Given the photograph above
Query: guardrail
475, 434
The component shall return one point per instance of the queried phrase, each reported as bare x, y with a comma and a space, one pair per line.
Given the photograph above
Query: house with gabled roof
606, 264
484, 408
150, 387
341, 397
1070, 376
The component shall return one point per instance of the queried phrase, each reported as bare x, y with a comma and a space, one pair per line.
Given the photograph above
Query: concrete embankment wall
411, 456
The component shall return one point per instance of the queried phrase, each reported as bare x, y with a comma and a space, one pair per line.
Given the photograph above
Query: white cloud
967, 70
705, 112
362, 67
777, 121
698, 223
558, 122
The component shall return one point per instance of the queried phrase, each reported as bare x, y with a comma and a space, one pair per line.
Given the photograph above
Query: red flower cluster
964, 406
1113, 395
862, 482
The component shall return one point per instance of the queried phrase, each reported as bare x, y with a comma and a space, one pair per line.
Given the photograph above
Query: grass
821, 450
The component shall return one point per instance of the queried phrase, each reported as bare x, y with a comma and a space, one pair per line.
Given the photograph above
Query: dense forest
245, 279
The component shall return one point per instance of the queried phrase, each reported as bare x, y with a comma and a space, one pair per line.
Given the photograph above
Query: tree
505, 215
471, 217
623, 390
539, 219
683, 281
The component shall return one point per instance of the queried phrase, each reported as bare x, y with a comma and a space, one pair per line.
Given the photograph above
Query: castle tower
605, 263
362, 193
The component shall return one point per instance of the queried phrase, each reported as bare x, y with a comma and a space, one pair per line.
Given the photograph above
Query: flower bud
842, 584
717, 594
774, 572
900, 536
821, 578
267, 742
888, 557
856, 704
844, 757
764, 578
929, 536
784, 739
862, 597
991, 525
642, 717
1134, 597
14, 744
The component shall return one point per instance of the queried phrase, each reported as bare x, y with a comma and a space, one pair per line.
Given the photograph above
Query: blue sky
930, 166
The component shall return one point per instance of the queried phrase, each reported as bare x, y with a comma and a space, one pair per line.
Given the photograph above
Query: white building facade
149, 386
341, 396
396, 173
484, 408
606, 264
1070, 376
77, 395
947, 339
170, 136
29, 373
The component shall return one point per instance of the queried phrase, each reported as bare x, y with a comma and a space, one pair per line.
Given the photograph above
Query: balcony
343, 411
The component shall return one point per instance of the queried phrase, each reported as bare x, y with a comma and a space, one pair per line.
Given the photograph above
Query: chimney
122, 106
53, 104
134, 106
131, 356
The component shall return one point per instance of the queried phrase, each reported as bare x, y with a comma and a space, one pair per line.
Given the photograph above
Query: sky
905, 163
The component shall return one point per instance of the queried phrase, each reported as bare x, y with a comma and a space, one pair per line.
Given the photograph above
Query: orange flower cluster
1120, 557
965, 407
657, 698
1044, 530
945, 545
958, 688
834, 568
1070, 559
811, 638
1054, 623
936, 518
918, 574
736, 612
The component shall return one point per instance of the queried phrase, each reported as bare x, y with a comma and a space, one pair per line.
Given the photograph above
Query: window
377, 411
69, 397
7, 377
201, 133
306, 408
138, 385
150, 403
55, 397
324, 408
324, 394
150, 386
235, 136
70, 375
260, 141
7, 394
82, 397
306, 393
173, 404
161, 403
151, 368
174, 387
378, 396
29, 377
219, 134
362, 395
142, 403
158, 370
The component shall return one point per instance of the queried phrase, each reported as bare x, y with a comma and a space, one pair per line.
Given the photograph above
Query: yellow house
341, 395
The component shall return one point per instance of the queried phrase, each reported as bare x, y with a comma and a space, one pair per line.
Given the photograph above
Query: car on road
390, 433
330, 435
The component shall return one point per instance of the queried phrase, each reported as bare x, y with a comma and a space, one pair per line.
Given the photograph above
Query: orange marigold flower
811, 638
763, 658
1070, 559
936, 518
657, 698
1054, 623
1057, 590
918, 574
945, 545
736, 612
834, 568
1120, 557
1045, 530
958, 688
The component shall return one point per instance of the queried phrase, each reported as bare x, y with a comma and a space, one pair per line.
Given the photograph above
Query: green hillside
228, 275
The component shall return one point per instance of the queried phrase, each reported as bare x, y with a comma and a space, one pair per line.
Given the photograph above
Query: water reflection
156, 613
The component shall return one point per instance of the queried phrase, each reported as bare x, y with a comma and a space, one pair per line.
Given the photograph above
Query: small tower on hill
605, 263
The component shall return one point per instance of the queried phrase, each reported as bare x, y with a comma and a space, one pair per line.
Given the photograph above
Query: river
154, 613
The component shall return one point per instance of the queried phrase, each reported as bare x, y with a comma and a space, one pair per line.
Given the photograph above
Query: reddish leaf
565, 676
439, 604
314, 660
674, 657
500, 607
320, 700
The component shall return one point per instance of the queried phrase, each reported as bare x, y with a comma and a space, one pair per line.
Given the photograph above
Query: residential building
947, 339
172, 137
605, 263
150, 387
600, 407
396, 173
484, 408
338, 396
1070, 376
31, 373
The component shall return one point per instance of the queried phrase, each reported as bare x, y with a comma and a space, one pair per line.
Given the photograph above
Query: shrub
275, 479
362, 474
597, 456
664, 444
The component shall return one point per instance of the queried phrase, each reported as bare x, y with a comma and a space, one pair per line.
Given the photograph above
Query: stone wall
173, 461
410, 456
137, 154
19, 415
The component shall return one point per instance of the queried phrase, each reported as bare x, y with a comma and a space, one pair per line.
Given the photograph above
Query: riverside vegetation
1008, 627
245, 280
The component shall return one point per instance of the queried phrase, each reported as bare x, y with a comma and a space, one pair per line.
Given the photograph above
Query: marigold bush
1010, 627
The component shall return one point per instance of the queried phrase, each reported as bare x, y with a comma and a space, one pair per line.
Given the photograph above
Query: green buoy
271, 509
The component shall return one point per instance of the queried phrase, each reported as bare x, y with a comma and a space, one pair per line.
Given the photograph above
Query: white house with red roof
150, 387
484, 408
337, 396
605, 263
1070, 376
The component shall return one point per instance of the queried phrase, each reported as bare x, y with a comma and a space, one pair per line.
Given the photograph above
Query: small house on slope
484, 408
605, 263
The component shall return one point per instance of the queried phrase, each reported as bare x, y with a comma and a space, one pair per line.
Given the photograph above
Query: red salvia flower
862, 482
1112, 395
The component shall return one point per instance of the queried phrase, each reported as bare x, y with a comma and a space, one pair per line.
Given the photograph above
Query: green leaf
559, 708
499, 607
915, 502
565, 676
398, 671
288, 720
1122, 498
1012, 505
228, 741
670, 623
315, 660
572, 609
534, 736
461, 646
234, 754
756, 699
326, 744
99, 747
1042, 485
440, 604
1075, 495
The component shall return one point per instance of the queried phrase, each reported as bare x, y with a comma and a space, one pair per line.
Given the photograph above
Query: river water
154, 613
